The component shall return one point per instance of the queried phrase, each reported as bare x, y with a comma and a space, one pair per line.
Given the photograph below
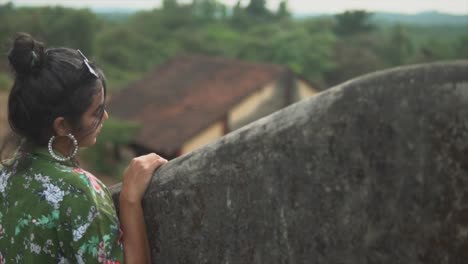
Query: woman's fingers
138, 175
155, 161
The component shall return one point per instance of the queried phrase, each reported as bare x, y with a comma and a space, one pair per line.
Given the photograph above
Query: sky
459, 7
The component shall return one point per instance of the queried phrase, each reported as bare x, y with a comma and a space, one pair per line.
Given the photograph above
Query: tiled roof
186, 95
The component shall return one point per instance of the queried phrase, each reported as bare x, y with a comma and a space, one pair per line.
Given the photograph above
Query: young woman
51, 210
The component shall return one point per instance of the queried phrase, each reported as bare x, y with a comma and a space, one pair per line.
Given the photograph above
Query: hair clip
86, 61
34, 58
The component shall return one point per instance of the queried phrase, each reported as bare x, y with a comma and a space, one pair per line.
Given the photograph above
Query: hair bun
26, 55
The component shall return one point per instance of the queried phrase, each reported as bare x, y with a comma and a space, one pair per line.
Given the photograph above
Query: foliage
57, 26
5, 82
353, 22
114, 134
461, 46
325, 50
283, 11
399, 46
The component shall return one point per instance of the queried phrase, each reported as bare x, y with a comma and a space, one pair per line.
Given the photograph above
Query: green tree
399, 48
114, 135
70, 28
436, 49
296, 44
126, 55
7, 15
461, 47
169, 4
353, 22
57, 26
5, 83
354, 56
205, 9
283, 10
239, 18
257, 8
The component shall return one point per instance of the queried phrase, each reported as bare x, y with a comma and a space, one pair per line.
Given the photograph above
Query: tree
114, 135
399, 48
208, 10
57, 26
169, 4
306, 52
355, 56
258, 9
7, 15
353, 22
435, 49
70, 27
461, 46
239, 18
125, 54
283, 10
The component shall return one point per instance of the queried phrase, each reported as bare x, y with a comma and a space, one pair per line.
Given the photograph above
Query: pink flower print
121, 233
101, 252
111, 262
1, 234
78, 170
92, 180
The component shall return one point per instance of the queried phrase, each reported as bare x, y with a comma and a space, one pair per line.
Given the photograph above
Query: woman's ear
61, 126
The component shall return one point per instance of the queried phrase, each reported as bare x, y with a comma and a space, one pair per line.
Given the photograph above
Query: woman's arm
136, 179
135, 241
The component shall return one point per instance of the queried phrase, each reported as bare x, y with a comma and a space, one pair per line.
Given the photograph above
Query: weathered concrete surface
372, 171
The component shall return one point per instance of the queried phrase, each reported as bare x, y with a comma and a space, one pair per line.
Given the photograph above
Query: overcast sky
297, 6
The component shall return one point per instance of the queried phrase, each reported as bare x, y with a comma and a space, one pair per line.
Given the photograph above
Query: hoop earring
55, 156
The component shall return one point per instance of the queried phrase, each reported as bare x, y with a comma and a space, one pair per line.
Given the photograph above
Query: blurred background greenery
326, 49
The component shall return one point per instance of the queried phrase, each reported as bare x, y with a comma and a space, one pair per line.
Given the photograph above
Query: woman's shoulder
74, 189
68, 177
89, 181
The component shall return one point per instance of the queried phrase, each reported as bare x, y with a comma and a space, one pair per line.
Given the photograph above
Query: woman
51, 210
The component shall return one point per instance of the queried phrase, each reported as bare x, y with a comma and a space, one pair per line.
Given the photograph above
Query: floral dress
53, 212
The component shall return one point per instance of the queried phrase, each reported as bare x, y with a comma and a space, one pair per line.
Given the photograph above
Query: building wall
267, 100
253, 107
303, 90
208, 135
272, 97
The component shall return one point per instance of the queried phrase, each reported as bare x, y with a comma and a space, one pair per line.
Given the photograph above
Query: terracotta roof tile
186, 95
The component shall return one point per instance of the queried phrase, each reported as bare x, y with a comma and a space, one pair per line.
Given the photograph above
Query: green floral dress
53, 212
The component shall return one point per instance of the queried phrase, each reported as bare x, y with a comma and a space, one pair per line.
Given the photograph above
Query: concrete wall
372, 171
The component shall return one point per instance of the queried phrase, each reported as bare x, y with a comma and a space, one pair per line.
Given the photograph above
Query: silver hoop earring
55, 156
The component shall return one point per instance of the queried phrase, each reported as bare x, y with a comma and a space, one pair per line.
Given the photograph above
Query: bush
5, 82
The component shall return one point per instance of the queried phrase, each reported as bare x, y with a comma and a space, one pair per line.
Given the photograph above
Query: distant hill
114, 14
425, 18
118, 10
422, 19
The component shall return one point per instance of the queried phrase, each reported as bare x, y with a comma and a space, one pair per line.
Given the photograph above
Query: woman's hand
137, 177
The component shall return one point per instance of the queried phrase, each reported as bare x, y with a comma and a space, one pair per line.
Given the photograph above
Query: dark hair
49, 83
